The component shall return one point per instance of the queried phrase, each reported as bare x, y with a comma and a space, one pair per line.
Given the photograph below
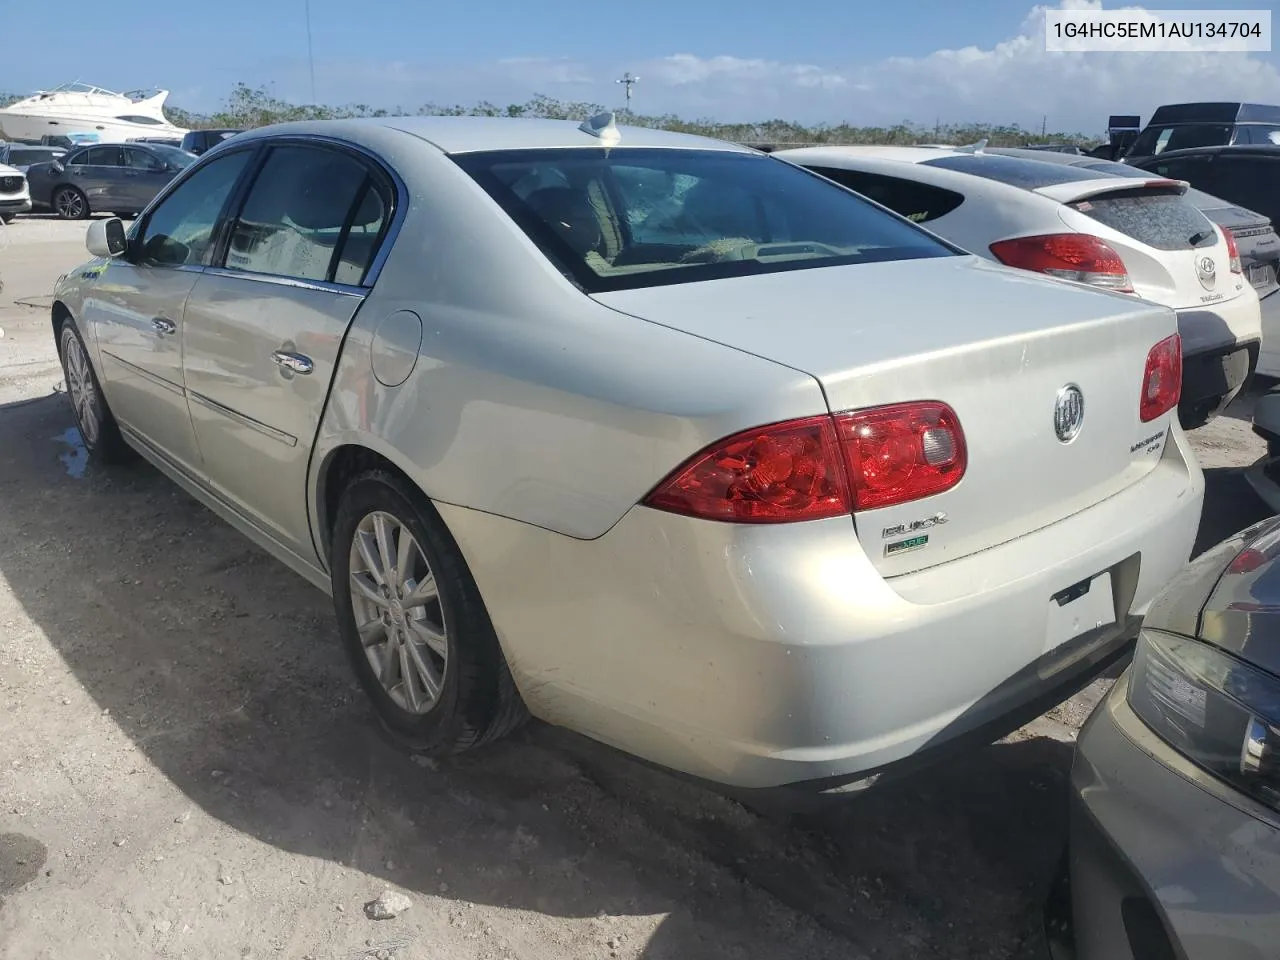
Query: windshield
623, 218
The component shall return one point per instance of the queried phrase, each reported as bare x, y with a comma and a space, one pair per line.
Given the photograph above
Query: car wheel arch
59, 315
340, 465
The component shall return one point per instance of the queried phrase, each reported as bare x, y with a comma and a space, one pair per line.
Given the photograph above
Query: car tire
7, 217
448, 641
70, 204
97, 425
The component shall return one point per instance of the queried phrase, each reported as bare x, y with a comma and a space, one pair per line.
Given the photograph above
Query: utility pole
628, 81
311, 60
1044, 123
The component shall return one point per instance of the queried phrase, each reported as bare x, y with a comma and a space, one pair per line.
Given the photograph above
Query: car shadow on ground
225, 671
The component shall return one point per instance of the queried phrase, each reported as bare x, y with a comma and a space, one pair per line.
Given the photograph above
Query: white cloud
1014, 81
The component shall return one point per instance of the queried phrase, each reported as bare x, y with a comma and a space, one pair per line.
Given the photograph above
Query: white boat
78, 108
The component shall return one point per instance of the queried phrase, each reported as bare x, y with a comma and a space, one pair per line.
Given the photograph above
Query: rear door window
104, 157
918, 202
1261, 133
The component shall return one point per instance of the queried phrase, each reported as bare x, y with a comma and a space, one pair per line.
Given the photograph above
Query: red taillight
1072, 256
1247, 561
902, 452
821, 467
786, 471
1162, 379
1233, 251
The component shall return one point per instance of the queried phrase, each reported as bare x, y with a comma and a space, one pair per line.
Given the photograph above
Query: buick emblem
1207, 272
1068, 413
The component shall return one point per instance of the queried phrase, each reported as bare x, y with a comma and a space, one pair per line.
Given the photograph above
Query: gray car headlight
1216, 710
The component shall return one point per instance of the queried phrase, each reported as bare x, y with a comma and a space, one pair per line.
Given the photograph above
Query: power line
311, 59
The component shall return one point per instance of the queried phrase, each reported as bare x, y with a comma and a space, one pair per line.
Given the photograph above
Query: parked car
198, 141
1238, 175
105, 178
15, 197
1264, 475
21, 155
1175, 806
668, 441
1177, 126
163, 141
1131, 236
1067, 148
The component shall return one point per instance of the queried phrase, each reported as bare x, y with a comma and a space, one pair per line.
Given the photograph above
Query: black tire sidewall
68, 331
467, 665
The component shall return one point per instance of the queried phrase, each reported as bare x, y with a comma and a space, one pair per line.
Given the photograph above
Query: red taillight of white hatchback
1071, 256
1162, 379
821, 467
1233, 250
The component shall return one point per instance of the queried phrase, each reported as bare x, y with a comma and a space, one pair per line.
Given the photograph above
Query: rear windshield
637, 217
1159, 218
1015, 171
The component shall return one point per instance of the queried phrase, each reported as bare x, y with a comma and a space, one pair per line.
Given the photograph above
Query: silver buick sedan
654, 437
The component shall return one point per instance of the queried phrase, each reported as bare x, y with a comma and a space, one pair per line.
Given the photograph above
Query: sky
866, 62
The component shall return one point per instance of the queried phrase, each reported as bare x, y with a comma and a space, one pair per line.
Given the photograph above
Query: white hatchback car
675, 444
15, 195
1134, 236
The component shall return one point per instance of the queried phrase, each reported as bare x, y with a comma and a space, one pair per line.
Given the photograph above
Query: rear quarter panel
527, 399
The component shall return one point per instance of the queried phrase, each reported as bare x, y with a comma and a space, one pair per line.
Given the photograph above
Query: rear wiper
1199, 238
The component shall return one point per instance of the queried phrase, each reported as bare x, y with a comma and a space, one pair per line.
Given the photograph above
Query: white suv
15, 196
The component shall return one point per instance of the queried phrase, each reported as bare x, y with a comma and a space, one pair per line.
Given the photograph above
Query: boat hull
32, 126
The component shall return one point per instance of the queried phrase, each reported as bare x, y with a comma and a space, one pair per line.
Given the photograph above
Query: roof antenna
975, 148
602, 127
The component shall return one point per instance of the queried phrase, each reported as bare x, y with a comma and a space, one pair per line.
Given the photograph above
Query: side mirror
106, 238
58, 167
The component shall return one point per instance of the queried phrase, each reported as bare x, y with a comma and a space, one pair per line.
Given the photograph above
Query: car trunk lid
997, 345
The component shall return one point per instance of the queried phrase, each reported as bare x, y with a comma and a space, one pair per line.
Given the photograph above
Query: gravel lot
188, 770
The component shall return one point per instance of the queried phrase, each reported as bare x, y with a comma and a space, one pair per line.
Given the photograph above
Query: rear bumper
1213, 378
777, 656
1220, 346
1164, 861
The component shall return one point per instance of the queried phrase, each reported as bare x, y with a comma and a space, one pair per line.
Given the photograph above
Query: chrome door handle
294, 362
163, 326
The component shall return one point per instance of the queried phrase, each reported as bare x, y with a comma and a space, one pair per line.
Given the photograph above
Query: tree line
249, 106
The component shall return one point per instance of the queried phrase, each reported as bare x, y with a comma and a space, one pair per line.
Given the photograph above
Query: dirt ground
187, 769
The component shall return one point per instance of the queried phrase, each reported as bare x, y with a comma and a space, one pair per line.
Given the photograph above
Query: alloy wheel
70, 205
398, 613
81, 387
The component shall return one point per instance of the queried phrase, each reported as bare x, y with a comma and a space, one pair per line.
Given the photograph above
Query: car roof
1219, 111
470, 134
1263, 149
